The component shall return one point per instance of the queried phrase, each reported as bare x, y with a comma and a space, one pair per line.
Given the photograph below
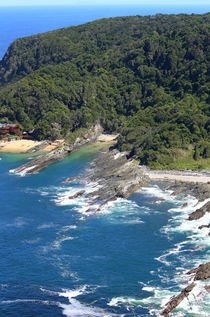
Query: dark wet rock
204, 226
90, 210
202, 272
70, 179
80, 193
199, 190
199, 213
176, 300
184, 205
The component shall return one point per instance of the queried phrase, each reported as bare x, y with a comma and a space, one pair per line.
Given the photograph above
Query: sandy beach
106, 138
25, 145
182, 176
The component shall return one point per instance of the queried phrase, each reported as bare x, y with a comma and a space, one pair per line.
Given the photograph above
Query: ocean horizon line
106, 5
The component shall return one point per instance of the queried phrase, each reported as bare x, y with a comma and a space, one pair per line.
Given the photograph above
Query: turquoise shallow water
55, 260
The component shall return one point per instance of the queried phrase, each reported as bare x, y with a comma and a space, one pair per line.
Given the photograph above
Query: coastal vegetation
143, 77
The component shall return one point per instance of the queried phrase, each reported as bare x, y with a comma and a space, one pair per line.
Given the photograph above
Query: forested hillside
144, 77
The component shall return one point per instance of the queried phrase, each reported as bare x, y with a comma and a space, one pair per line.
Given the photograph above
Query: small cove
56, 260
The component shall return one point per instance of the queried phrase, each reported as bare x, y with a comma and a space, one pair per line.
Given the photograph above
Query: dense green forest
144, 77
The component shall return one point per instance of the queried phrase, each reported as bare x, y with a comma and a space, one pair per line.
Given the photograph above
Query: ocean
55, 259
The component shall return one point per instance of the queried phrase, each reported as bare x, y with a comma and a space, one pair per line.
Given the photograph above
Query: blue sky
103, 2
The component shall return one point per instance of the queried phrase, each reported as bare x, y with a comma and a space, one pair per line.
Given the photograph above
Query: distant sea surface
18, 22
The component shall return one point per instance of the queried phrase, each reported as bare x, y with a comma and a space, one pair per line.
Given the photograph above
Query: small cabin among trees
9, 129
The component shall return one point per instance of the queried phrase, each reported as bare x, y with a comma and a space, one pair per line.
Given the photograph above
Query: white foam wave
180, 224
156, 191
127, 302
23, 172
81, 203
38, 301
67, 228
73, 309
46, 226
57, 243
76, 308
19, 222
33, 241
198, 303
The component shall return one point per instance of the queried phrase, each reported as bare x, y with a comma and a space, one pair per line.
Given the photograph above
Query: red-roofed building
9, 128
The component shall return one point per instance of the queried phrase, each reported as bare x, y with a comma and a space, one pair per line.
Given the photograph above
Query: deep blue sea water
56, 260
24, 21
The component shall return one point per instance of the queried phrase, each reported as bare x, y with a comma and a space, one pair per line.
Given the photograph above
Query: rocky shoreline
59, 153
202, 272
114, 177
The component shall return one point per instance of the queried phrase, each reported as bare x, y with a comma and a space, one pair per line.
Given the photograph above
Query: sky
103, 2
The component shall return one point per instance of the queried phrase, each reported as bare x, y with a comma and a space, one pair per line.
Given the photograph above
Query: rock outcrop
202, 272
200, 191
199, 213
39, 147
176, 300
80, 193
41, 162
204, 226
59, 153
115, 176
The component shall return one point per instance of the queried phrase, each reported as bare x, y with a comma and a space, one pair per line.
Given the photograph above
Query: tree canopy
144, 77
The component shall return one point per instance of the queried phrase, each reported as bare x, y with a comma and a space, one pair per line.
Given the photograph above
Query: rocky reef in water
59, 153
115, 177
202, 272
